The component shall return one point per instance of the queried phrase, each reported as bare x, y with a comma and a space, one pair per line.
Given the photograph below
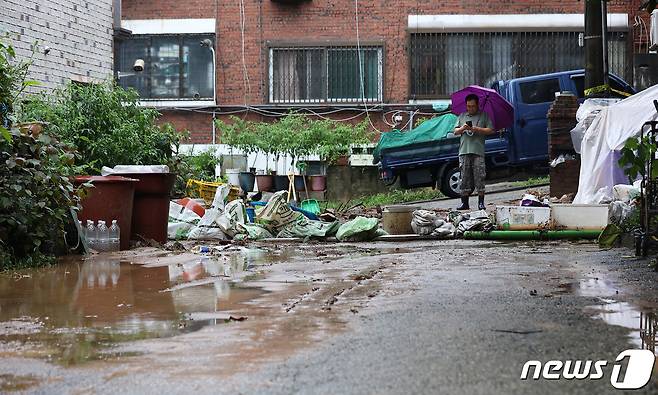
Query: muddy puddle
77, 310
641, 322
81, 309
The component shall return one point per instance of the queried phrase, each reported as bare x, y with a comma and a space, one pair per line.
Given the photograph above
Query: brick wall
326, 20
79, 33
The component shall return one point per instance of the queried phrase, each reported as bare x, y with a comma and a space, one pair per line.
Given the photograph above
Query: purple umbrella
500, 111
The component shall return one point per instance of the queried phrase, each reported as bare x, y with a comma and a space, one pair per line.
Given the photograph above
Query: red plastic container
318, 183
111, 198
151, 206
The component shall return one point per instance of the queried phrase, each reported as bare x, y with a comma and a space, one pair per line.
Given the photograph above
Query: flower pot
342, 161
247, 181
233, 176
299, 183
265, 183
281, 183
318, 183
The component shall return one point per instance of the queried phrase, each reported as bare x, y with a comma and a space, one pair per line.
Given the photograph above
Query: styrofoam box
522, 218
580, 216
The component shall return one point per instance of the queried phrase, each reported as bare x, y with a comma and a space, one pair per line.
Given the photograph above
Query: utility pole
594, 75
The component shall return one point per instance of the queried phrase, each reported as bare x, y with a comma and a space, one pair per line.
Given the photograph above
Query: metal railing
325, 74
442, 63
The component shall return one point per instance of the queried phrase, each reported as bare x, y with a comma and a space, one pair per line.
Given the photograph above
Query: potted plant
265, 181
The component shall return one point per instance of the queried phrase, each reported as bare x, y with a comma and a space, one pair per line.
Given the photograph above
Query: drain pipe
533, 235
214, 132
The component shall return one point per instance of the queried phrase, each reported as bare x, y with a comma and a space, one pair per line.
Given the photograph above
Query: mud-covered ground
422, 317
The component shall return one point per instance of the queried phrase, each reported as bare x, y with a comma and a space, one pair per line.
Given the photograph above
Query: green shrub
106, 125
199, 166
36, 197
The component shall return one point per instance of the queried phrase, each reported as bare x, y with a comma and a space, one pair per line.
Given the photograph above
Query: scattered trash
360, 229
207, 227
428, 223
424, 222
280, 220
530, 200
625, 193
619, 212
609, 236
561, 159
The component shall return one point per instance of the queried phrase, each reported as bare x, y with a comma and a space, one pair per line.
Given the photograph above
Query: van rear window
540, 91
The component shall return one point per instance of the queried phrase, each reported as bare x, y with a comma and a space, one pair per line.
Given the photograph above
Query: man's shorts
473, 172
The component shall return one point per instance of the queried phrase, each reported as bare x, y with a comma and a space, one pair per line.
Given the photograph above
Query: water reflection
79, 308
648, 326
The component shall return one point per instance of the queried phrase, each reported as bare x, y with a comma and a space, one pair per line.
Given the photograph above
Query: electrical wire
361, 77
245, 73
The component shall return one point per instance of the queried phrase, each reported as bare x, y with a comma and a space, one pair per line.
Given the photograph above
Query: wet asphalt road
436, 317
467, 329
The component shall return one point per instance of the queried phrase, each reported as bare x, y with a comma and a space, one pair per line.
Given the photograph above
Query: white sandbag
624, 193
208, 228
235, 213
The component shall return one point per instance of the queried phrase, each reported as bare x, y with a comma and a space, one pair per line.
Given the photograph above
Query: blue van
525, 144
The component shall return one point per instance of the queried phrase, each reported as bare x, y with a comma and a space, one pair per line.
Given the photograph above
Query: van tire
450, 180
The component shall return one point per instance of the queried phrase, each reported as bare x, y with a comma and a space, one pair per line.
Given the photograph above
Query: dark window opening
176, 67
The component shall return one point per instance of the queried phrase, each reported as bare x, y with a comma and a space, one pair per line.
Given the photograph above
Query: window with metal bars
334, 74
176, 67
442, 63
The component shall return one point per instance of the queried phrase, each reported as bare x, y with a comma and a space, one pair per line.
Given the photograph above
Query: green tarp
430, 130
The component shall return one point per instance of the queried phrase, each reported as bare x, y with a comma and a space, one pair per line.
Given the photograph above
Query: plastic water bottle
103, 236
115, 236
90, 234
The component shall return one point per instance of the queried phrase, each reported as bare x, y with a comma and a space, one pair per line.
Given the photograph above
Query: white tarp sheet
606, 136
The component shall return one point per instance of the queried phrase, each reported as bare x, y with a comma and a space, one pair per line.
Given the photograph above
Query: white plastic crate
580, 216
523, 218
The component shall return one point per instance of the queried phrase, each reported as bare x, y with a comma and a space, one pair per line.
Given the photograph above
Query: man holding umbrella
473, 126
485, 112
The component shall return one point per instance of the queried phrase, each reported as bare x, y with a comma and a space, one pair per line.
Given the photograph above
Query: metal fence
442, 63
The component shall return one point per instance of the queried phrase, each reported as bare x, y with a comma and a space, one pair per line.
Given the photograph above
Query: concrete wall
79, 33
347, 182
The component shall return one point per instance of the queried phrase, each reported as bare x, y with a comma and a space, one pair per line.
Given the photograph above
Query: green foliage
635, 155
396, 196
106, 125
13, 80
197, 167
36, 195
296, 135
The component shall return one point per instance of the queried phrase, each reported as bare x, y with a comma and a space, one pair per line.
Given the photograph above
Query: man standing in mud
473, 126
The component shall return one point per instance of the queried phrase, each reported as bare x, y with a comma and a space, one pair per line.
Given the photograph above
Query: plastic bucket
233, 176
281, 183
247, 181
151, 206
318, 183
111, 198
396, 220
265, 183
299, 183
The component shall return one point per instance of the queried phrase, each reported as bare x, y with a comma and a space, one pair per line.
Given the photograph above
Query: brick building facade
272, 56
78, 34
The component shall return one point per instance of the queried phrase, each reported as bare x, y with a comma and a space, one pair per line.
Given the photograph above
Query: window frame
379, 46
182, 88
421, 49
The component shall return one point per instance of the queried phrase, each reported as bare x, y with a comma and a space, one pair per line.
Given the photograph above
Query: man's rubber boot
481, 205
464, 205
